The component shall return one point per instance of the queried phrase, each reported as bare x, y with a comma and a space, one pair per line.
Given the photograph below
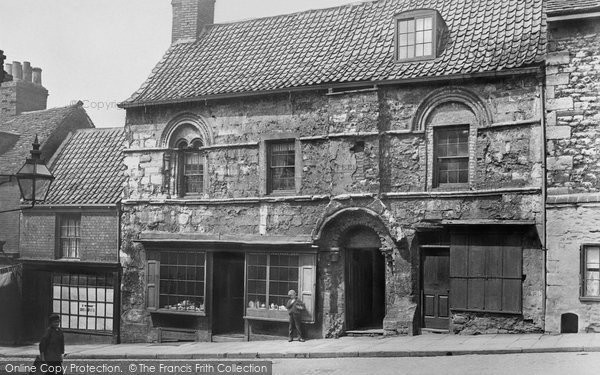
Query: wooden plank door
435, 307
228, 293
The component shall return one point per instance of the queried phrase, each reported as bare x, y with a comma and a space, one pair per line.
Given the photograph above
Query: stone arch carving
342, 218
450, 95
187, 120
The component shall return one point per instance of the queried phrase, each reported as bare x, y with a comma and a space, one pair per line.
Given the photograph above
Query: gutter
456, 77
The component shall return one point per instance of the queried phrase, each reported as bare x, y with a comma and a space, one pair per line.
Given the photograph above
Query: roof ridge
315, 10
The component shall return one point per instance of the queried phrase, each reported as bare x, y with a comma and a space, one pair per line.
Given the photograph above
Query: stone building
70, 242
573, 162
385, 159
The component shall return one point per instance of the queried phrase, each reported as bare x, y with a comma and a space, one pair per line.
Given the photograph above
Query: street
513, 364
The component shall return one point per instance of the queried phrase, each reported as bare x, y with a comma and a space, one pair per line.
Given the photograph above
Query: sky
101, 51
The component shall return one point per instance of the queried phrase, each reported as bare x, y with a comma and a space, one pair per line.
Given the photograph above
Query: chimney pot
26, 71
17, 70
8, 68
37, 76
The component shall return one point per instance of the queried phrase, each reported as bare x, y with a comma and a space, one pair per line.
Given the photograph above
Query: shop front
207, 291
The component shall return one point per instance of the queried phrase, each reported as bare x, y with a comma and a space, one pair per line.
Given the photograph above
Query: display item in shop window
185, 305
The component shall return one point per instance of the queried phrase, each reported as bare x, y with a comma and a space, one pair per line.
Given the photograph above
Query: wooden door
228, 292
365, 289
435, 306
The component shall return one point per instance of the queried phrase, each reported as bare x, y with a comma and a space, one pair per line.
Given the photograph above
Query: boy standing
52, 345
295, 308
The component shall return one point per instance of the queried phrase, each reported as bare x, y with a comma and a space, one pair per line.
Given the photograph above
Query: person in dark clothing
295, 308
52, 346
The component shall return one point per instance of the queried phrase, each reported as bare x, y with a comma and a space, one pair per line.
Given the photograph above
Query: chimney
24, 92
190, 17
26, 71
37, 76
17, 70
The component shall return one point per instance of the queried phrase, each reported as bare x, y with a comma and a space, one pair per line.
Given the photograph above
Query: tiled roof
45, 124
350, 43
88, 168
555, 7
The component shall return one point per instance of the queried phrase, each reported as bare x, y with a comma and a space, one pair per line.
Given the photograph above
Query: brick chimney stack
190, 17
24, 92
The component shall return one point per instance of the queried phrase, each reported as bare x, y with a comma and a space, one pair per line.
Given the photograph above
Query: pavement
387, 346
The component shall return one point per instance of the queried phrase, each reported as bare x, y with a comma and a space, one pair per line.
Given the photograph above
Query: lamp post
34, 178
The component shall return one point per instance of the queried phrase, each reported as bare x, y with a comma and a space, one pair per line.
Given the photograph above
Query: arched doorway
364, 271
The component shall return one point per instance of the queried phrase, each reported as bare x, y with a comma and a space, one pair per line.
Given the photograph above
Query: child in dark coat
295, 308
52, 346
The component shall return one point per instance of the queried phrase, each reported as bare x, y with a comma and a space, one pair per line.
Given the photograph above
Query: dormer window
418, 35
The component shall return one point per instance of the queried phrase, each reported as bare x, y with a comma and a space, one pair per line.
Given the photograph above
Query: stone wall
360, 150
573, 158
573, 134
569, 227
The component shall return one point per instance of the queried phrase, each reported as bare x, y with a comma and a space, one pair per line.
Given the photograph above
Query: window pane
402, 53
419, 37
403, 27
411, 26
427, 49
402, 39
281, 166
593, 257
419, 24
419, 50
427, 23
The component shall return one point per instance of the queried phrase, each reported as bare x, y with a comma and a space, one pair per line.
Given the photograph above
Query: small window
69, 233
591, 271
176, 281
191, 161
451, 155
281, 166
419, 35
85, 302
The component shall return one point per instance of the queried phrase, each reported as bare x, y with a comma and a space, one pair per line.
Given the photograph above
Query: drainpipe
542, 91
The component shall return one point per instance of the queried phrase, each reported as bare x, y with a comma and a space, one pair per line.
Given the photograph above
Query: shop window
486, 271
69, 235
176, 281
451, 156
84, 302
271, 276
281, 166
590, 271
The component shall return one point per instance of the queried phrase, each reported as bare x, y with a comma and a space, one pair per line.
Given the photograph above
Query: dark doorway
569, 323
228, 293
435, 306
365, 289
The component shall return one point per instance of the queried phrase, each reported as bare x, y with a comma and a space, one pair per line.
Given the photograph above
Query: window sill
177, 312
87, 331
486, 311
281, 193
589, 299
451, 187
69, 259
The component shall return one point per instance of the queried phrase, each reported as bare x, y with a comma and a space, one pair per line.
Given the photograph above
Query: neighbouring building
384, 158
23, 116
573, 163
70, 243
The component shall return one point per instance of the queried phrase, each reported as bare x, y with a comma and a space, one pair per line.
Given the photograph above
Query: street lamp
34, 178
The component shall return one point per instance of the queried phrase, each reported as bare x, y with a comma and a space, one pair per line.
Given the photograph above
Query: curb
317, 355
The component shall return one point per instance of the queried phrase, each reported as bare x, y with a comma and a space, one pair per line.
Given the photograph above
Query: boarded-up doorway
365, 280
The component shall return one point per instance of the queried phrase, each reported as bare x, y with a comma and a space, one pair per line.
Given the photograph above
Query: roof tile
88, 168
343, 44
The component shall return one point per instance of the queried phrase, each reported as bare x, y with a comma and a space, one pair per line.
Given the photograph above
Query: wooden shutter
459, 256
307, 282
167, 171
485, 271
152, 284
